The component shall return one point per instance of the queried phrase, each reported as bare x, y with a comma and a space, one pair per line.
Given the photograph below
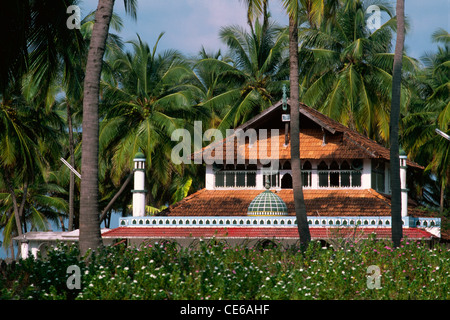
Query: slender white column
24, 248
209, 179
404, 189
139, 186
259, 177
366, 182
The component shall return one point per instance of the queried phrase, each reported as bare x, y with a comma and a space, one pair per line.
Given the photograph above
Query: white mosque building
346, 186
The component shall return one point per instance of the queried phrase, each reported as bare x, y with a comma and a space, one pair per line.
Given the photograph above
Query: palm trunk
297, 186
90, 235
116, 196
72, 163
22, 206
15, 205
11, 248
397, 229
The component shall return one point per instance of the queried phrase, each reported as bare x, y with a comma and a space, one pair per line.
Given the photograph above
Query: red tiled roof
256, 232
341, 142
321, 202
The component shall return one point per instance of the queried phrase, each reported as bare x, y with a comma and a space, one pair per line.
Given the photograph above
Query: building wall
365, 175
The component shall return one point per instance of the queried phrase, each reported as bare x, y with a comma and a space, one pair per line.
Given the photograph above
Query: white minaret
139, 185
404, 190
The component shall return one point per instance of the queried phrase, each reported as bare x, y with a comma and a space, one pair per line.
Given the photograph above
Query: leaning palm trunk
72, 163
90, 235
297, 188
397, 231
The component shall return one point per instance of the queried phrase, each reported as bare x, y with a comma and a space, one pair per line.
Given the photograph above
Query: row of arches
355, 164
343, 221
333, 174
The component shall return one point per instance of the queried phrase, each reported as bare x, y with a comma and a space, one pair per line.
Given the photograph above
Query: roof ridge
378, 195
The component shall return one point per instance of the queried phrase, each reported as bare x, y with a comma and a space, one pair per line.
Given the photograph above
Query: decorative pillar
139, 185
404, 190
24, 247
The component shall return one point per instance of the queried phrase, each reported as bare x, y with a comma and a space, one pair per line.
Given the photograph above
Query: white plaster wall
366, 182
209, 177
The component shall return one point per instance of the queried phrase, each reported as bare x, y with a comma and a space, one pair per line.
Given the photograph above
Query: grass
214, 271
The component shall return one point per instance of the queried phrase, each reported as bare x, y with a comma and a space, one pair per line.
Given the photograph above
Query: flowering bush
217, 271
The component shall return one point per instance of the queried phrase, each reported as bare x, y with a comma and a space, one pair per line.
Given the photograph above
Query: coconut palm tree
297, 185
72, 85
293, 8
39, 204
430, 110
258, 71
37, 38
19, 151
347, 71
396, 204
39, 43
149, 96
90, 237
211, 70
29, 145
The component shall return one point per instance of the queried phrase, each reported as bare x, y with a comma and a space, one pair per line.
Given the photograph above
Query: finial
284, 98
139, 154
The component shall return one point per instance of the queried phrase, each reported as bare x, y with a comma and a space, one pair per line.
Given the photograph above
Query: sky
191, 24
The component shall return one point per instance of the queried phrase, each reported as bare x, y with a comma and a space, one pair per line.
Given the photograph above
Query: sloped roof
341, 141
255, 233
322, 202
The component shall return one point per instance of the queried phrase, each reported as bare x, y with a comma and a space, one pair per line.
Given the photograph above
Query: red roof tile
255, 232
321, 202
341, 142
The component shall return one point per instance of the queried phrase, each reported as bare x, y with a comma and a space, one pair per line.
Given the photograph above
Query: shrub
217, 271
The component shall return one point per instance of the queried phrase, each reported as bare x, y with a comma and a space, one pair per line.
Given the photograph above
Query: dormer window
231, 176
307, 174
378, 176
339, 175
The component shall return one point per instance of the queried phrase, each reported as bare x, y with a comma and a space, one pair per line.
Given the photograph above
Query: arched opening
251, 175
286, 181
240, 175
345, 174
306, 174
287, 165
323, 174
229, 175
334, 174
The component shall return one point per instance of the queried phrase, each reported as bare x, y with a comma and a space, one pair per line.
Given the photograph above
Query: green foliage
214, 270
